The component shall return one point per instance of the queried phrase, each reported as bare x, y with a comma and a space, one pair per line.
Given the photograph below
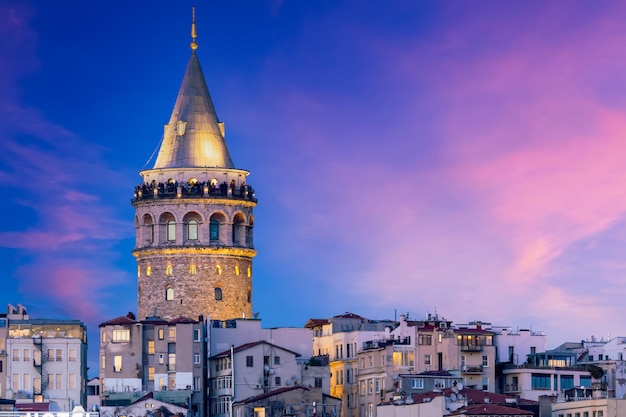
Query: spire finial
194, 44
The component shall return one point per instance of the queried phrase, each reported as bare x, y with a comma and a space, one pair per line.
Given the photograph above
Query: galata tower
194, 215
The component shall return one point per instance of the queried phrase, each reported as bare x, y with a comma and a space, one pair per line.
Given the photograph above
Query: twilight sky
460, 157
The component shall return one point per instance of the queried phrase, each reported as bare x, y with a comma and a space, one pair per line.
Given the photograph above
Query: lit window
171, 230
169, 294
150, 376
236, 269
161, 334
121, 335
117, 363
249, 272
193, 269
138, 271
218, 293
150, 347
172, 333
219, 270
148, 271
71, 381
169, 269
103, 362
171, 362
71, 355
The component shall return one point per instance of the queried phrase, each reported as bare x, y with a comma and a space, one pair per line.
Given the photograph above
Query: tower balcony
198, 190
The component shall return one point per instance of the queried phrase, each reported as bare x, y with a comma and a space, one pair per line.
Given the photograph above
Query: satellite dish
272, 371
394, 376
459, 386
453, 397
266, 368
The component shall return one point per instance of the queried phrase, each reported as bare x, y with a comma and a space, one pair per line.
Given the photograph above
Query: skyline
431, 157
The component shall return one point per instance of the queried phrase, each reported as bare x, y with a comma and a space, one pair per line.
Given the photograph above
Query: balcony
512, 388
198, 190
471, 348
472, 369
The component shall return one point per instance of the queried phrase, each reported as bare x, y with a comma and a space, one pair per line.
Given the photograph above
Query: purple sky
467, 158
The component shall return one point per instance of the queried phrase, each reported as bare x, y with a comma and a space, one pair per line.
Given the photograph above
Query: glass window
150, 347
218, 293
214, 230
171, 362
417, 383
117, 363
102, 361
26, 382
169, 294
192, 230
171, 230
26, 355
71, 355
161, 334
71, 381
567, 381
150, 373
196, 358
249, 361
121, 335
540, 381
196, 335
172, 333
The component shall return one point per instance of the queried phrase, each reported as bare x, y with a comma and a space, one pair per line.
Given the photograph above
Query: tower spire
194, 44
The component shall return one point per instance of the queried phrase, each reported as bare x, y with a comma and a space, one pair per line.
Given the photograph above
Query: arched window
169, 269
193, 269
214, 230
218, 293
218, 269
148, 271
192, 230
236, 269
249, 272
169, 294
138, 271
171, 230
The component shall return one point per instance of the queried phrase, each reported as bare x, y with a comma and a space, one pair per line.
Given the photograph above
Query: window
567, 381
277, 381
16, 354
150, 373
417, 383
533, 350
121, 335
585, 381
249, 361
214, 230
150, 347
26, 355
540, 381
362, 387
148, 271
71, 355
59, 381
218, 293
55, 355
196, 358
161, 334
485, 384
71, 381
276, 360
171, 333
192, 230
427, 360
102, 361
370, 386
196, 383
169, 294
377, 385
26, 382
318, 382
171, 231
425, 339
161, 359
117, 363
193, 269
485, 360
196, 335
171, 362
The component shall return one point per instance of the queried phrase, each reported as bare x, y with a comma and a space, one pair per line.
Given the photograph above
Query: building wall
434, 408
522, 341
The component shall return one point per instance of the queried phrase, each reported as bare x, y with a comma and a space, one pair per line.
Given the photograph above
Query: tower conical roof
194, 137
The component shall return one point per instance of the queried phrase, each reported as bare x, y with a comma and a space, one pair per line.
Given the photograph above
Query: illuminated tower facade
194, 216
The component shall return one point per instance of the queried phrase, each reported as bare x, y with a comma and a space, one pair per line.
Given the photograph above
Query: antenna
194, 44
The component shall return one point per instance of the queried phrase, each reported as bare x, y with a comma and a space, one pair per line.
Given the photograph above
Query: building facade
194, 216
46, 360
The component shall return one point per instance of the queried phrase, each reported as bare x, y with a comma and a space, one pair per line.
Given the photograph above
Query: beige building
602, 407
194, 216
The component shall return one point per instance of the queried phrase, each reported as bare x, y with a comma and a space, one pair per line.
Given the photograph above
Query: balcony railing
471, 348
198, 190
472, 369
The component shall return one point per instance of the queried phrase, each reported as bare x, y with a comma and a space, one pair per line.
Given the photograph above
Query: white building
47, 360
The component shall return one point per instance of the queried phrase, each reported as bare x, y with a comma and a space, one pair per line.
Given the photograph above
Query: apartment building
167, 358
46, 360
